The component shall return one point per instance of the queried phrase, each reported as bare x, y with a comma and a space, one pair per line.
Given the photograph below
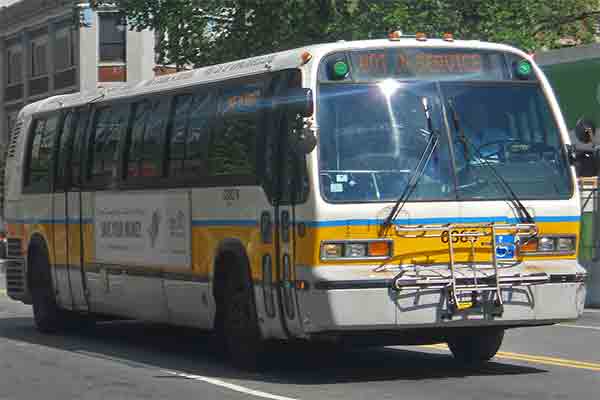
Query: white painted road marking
231, 386
596, 328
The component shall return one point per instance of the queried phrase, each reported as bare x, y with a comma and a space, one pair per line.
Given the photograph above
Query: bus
405, 190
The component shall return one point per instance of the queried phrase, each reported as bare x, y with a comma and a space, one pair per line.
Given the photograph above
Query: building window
14, 65
39, 49
64, 53
113, 33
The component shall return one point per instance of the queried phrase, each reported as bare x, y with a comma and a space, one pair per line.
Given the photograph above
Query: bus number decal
445, 236
231, 194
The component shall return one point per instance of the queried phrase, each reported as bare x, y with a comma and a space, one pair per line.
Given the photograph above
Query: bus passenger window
145, 153
76, 157
202, 113
108, 125
189, 134
178, 134
63, 161
233, 145
38, 174
141, 116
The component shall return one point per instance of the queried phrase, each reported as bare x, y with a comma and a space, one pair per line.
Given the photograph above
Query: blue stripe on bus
425, 221
318, 224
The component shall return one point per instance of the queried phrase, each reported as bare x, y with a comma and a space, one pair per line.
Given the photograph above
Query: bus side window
135, 151
63, 158
109, 124
153, 146
190, 133
233, 145
178, 134
40, 154
76, 158
202, 114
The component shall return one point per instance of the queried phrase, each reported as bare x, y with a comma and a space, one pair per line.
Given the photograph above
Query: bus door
60, 223
288, 191
74, 221
290, 186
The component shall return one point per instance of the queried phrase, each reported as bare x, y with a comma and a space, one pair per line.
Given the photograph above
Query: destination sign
429, 63
458, 63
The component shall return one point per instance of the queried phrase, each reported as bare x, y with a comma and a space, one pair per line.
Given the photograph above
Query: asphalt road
131, 360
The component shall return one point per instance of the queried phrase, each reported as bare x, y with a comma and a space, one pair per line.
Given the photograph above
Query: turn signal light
379, 249
306, 57
529, 246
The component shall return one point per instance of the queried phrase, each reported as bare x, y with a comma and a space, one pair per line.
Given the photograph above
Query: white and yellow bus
399, 191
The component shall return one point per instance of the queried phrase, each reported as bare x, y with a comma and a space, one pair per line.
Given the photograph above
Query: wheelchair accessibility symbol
505, 247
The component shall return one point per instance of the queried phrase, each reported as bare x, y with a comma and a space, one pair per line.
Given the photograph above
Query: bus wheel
240, 322
47, 315
478, 347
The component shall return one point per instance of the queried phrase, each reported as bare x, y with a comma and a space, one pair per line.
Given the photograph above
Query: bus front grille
13, 249
16, 272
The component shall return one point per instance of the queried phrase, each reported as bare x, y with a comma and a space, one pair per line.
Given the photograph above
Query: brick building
50, 47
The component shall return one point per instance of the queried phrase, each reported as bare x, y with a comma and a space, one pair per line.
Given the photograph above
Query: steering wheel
498, 154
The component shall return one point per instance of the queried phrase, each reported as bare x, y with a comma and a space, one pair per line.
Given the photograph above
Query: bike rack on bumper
480, 281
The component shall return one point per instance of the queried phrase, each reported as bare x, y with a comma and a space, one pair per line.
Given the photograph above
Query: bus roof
249, 66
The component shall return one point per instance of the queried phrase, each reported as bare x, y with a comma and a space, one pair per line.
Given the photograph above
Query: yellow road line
561, 362
2, 292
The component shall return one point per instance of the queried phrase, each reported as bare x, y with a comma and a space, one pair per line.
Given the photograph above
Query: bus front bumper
356, 298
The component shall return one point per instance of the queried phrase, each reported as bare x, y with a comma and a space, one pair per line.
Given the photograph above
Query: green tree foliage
200, 32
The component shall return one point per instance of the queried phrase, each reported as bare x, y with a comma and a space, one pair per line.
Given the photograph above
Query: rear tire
476, 348
240, 322
49, 318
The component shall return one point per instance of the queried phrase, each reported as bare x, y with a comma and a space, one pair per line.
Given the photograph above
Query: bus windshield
372, 135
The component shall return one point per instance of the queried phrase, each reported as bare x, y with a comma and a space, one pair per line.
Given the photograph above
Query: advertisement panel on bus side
143, 229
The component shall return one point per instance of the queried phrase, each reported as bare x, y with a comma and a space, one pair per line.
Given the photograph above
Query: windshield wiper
522, 213
417, 173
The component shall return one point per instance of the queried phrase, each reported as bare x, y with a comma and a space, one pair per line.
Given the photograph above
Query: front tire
476, 348
240, 322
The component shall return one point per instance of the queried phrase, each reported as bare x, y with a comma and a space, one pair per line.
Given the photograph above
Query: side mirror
298, 101
585, 131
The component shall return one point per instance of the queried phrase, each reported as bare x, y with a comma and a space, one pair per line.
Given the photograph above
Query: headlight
565, 244
355, 250
551, 244
546, 244
364, 249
